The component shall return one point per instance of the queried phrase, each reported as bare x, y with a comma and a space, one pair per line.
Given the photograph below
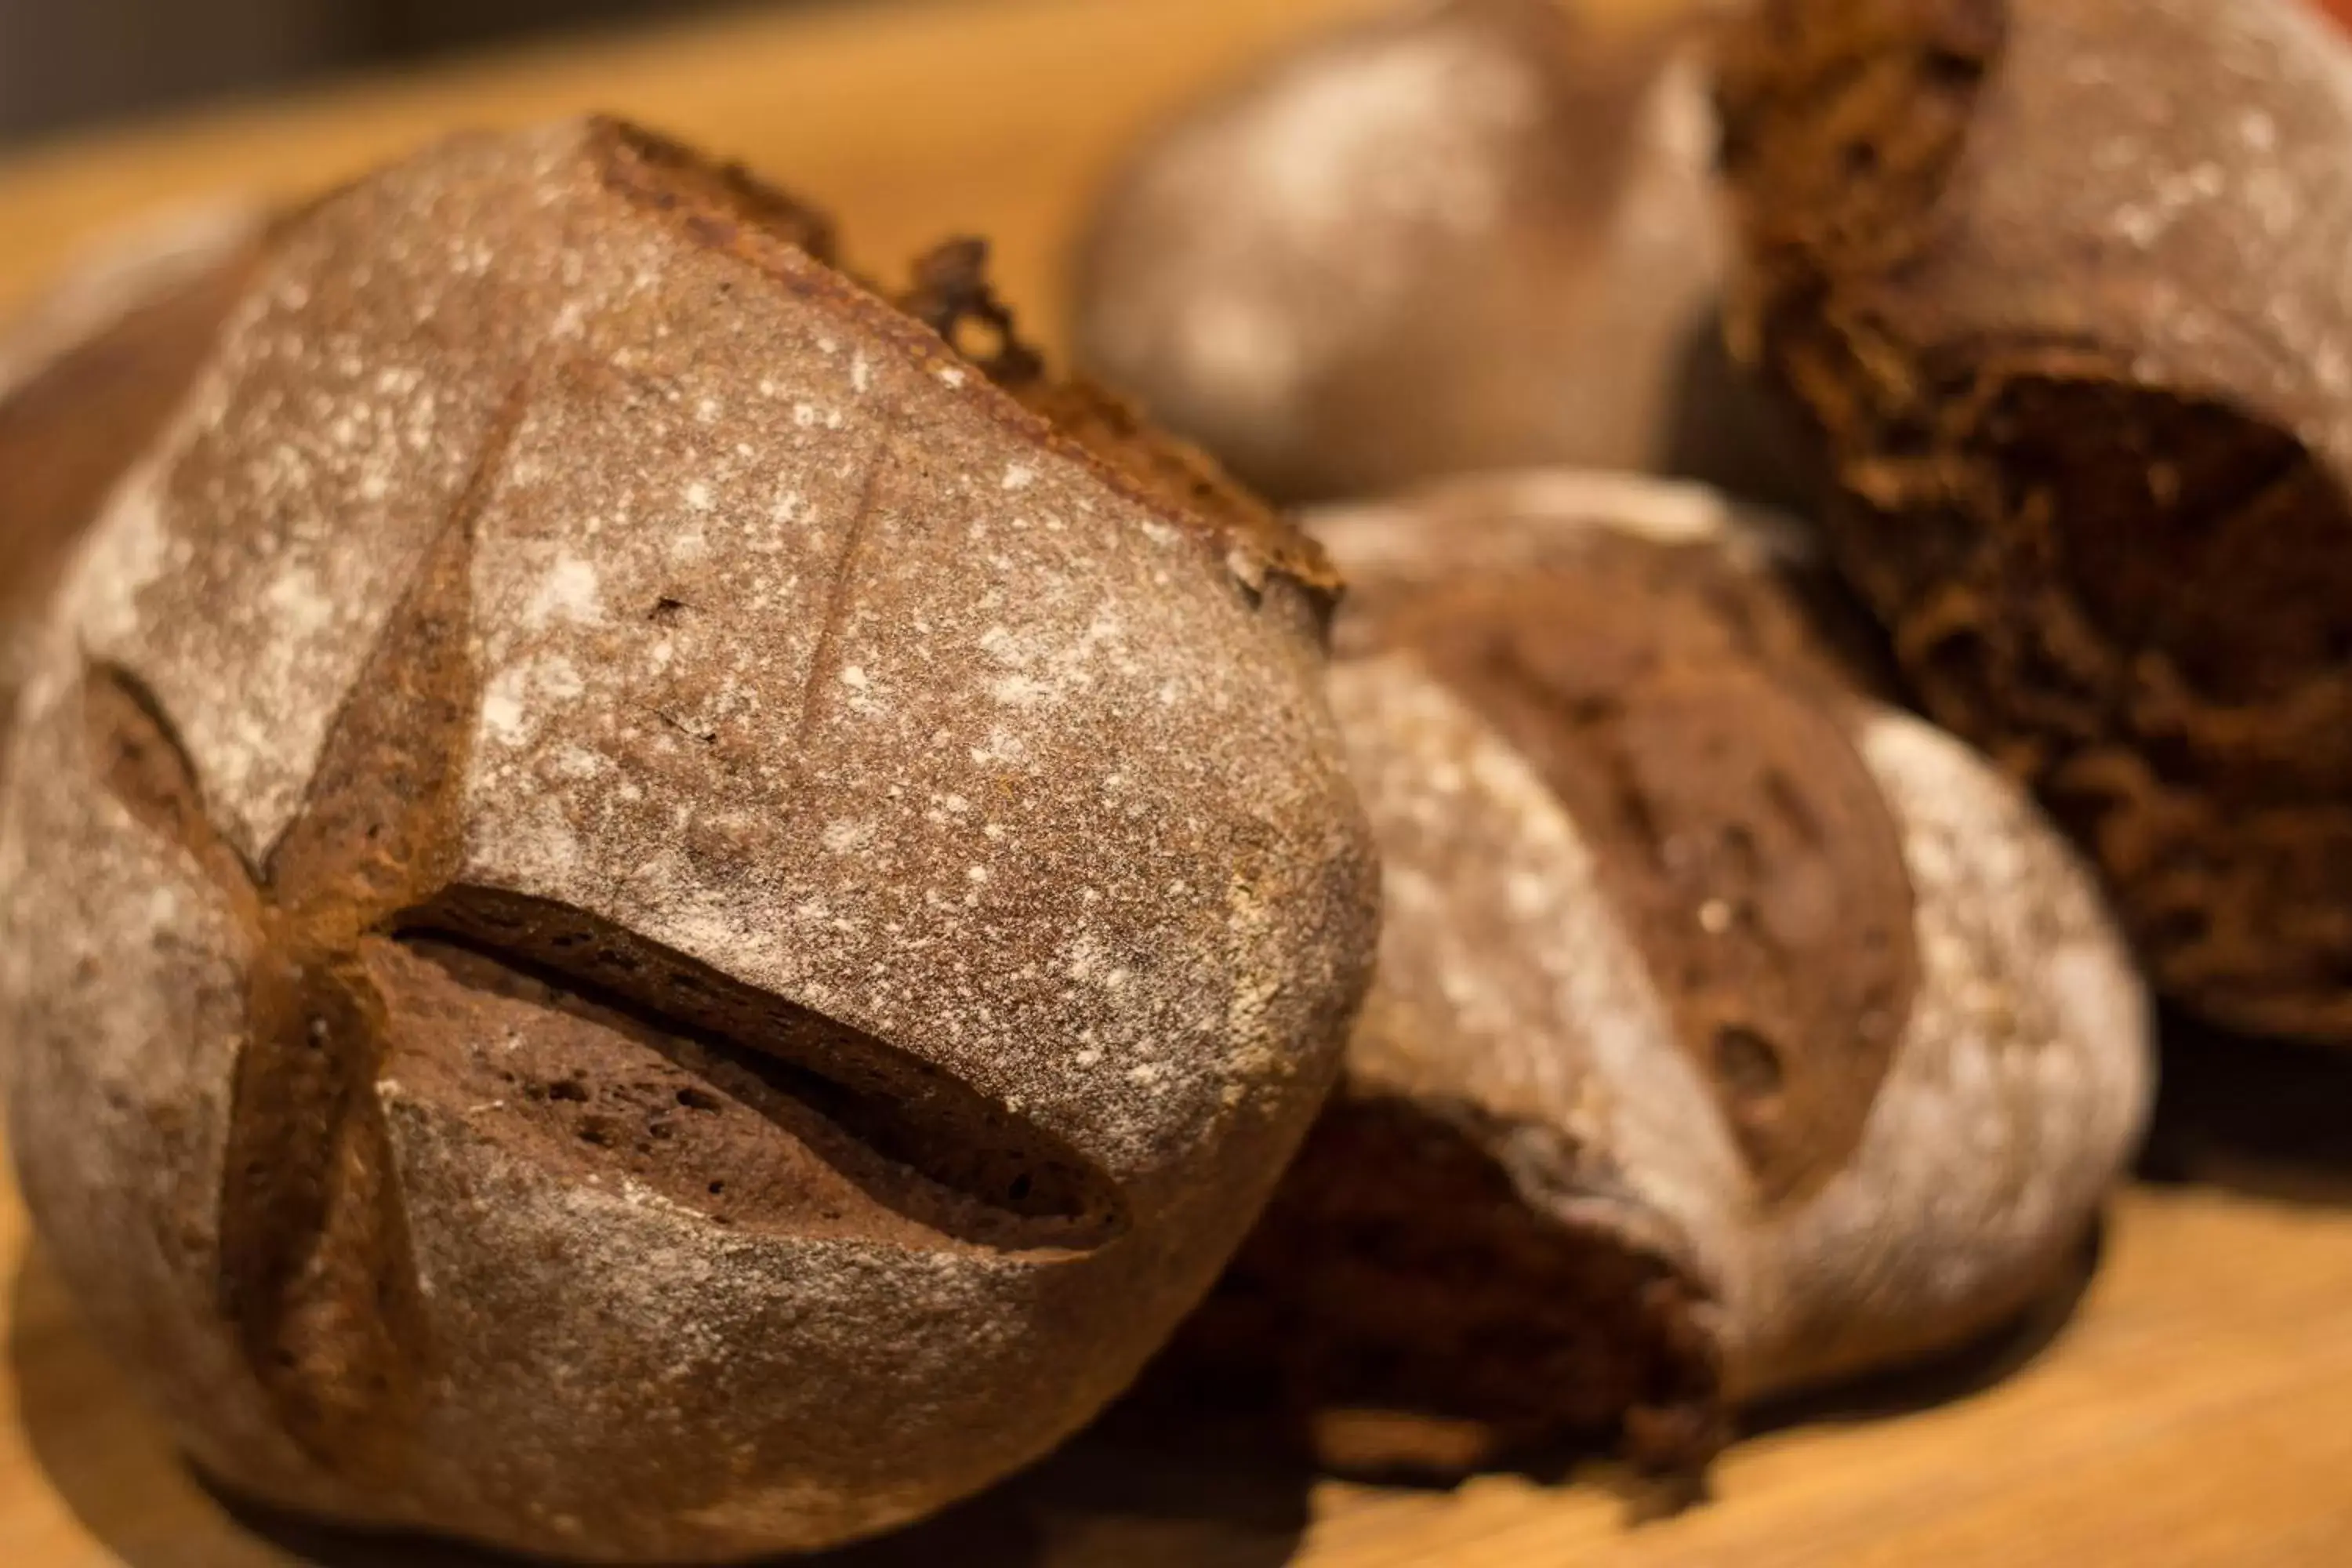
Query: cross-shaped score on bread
371, 960
656, 907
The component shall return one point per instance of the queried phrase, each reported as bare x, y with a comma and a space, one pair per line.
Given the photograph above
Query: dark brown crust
310, 1238
725, 205
605, 1087
1687, 722
952, 291
726, 209
946, 1160
2130, 586
1420, 1314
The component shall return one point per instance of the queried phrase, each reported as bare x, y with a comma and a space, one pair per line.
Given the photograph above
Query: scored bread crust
2082, 360
643, 921
1522, 1021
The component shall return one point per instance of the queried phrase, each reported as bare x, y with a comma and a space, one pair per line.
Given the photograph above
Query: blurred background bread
1458, 235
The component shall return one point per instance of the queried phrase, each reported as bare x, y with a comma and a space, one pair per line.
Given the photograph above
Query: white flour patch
568, 593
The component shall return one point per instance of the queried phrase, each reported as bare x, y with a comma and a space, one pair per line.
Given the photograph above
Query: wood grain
2192, 1410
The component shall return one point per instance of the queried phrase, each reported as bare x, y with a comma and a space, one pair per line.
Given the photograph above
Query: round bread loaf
644, 920
1731, 1032
1459, 236
87, 378
2061, 287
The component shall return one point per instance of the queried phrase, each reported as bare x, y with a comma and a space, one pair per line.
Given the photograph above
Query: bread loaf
1457, 235
1732, 1032
643, 919
2060, 289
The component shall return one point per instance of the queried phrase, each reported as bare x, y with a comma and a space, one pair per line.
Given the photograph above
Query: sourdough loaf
643, 919
1732, 1032
1456, 236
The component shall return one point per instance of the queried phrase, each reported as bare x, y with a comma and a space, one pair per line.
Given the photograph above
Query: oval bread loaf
643, 919
1731, 1033
1459, 236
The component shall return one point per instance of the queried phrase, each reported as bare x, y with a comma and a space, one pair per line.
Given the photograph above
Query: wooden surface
2193, 1408
909, 121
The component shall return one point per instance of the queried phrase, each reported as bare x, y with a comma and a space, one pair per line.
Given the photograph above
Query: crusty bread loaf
1455, 235
642, 919
1731, 1032
2059, 286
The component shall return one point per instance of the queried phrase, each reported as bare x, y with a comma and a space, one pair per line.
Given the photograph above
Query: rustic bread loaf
642, 919
1731, 1032
87, 377
2061, 287
1457, 235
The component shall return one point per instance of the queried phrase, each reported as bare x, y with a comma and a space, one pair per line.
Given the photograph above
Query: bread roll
1458, 235
2060, 289
644, 920
1732, 1032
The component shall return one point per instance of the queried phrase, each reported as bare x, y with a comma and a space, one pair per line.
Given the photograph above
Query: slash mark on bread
317, 1273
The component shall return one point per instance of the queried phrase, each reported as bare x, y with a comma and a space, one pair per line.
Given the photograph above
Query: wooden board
2193, 1408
